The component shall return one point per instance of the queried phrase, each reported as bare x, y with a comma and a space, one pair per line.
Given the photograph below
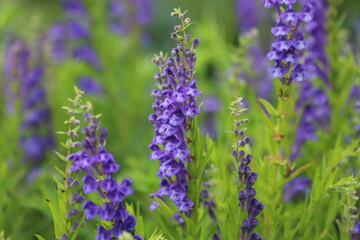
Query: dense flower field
213, 120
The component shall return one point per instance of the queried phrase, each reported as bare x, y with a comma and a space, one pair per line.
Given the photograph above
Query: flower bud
174, 35
248, 140
195, 43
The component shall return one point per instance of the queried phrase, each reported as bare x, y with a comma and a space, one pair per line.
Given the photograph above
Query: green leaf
59, 183
61, 172
59, 221
61, 133
266, 120
76, 129
271, 110
62, 157
39, 237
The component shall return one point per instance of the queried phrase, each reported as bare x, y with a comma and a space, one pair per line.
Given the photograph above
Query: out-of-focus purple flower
354, 93
210, 106
248, 14
78, 29
74, 8
34, 174
290, 43
100, 167
16, 68
314, 101
174, 107
58, 36
299, 186
35, 137
89, 85
87, 54
126, 15
247, 177
356, 231
316, 62
249, 18
75, 29
316, 115
357, 109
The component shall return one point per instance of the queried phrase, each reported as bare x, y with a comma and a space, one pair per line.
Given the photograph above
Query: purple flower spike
174, 106
24, 82
286, 51
102, 164
246, 176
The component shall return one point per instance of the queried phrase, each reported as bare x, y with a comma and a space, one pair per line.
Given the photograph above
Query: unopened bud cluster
247, 178
351, 214
73, 123
180, 30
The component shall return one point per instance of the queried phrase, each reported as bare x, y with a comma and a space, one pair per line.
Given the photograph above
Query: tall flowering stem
99, 167
251, 207
286, 53
174, 108
68, 193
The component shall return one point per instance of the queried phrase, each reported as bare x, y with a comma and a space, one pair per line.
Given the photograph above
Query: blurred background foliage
126, 78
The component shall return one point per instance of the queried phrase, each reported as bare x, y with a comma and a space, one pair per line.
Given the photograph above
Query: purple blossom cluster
288, 48
174, 106
100, 167
72, 37
36, 137
247, 177
126, 15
